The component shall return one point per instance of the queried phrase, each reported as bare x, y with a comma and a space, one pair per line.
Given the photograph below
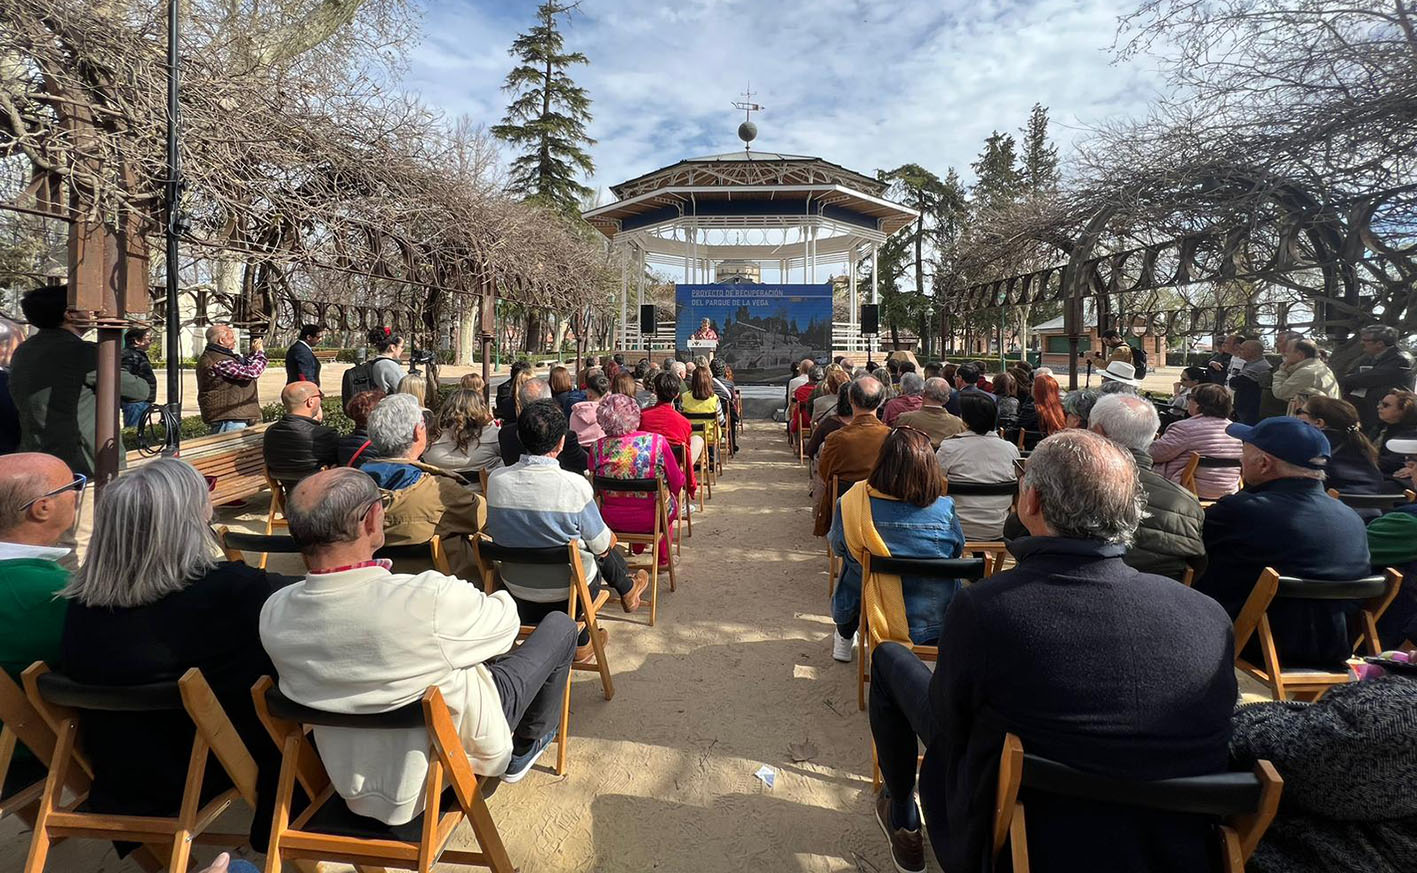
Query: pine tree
548, 117
1040, 157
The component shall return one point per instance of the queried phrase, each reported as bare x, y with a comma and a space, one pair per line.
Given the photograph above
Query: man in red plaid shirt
226, 381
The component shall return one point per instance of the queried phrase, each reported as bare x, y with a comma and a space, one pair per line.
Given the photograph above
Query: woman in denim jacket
898, 512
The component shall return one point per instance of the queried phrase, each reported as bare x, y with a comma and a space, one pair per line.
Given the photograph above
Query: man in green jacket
53, 377
39, 497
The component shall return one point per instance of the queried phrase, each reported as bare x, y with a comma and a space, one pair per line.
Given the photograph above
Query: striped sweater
534, 504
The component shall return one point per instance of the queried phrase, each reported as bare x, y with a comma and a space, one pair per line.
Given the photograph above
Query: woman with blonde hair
467, 437
152, 600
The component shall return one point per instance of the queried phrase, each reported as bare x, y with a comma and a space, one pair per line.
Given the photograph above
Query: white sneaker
842, 649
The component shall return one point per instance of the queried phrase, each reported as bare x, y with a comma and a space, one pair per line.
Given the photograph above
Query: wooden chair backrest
489, 554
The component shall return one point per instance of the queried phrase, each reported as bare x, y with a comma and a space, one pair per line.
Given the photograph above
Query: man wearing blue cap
1284, 519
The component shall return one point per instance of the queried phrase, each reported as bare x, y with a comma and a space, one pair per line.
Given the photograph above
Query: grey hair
1080, 403
681, 369
701, 361
1294, 471
1386, 334
1127, 420
392, 425
937, 390
865, 395
152, 537
817, 374
1088, 487
859, 372
215, 330
911, 384
1112, 386
324, 508
533, 390
15, 492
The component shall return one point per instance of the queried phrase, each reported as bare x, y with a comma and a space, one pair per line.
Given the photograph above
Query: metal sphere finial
747, 131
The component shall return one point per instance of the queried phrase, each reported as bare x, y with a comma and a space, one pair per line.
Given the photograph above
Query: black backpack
358, 378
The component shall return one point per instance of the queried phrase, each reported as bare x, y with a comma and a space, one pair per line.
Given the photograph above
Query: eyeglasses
385, 500
77, 486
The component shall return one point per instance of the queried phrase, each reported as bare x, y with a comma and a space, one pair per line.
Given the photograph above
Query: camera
416, 357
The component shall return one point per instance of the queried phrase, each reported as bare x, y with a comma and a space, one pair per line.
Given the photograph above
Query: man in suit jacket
1284, 519
851, 451
1088, 661
1382, 368
301, 365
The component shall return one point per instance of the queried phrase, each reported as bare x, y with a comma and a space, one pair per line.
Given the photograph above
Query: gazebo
791, 215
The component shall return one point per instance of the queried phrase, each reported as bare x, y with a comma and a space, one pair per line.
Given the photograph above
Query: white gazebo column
875, 294
624, 306
853, 332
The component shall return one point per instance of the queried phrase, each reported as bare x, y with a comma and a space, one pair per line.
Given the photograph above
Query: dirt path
737, 674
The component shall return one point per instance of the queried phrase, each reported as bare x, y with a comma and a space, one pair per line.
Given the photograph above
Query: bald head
303, 399
328, 509
24, 479
866, 394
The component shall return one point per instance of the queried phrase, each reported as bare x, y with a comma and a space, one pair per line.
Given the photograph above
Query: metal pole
174, 227
105, 462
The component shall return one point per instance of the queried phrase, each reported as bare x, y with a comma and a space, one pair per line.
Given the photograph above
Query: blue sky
868, 84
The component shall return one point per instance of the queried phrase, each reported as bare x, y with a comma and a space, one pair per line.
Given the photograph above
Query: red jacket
665, 420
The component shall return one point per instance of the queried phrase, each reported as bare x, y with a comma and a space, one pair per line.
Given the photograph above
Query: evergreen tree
548, 117
998, 181
1040, 157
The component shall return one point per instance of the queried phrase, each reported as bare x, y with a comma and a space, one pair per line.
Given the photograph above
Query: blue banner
760, 331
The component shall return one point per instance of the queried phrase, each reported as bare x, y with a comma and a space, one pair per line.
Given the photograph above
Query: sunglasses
77, 486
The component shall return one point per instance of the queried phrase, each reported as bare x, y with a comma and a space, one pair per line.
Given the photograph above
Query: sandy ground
737, 674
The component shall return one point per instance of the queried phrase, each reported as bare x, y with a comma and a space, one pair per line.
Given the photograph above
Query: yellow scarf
881, 595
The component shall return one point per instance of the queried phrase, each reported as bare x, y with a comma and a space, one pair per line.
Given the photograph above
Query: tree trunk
467, 336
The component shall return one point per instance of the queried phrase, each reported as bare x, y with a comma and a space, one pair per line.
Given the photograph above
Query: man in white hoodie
354, 637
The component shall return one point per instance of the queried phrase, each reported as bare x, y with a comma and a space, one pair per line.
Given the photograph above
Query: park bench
324, 356
232, 462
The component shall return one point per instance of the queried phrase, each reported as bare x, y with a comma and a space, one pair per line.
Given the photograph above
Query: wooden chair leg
487, 837
654, 584
863, 645
563, 731
40, 841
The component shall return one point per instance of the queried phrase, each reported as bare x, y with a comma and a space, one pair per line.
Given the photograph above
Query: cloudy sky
868, 84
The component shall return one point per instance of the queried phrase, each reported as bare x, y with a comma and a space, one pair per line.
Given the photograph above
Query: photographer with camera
383, 372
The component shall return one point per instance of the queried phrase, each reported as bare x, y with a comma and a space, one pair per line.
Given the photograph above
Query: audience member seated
149, 602
1077, 406
898, 512
534, 504
887, 380
299, 443
911, 398
1118, 377
416, 386
1170, 531
1397, 420
564, 390
1048, 404
1392, 542
506, 405
1347, 763
803, 397
1353, 465
1022, 375
803, 371
627, 452
822, 400
355, 638
353, 450
39, 503
831, 423
932, 417
851, 452
1250, 381
1283, 519
700, 398
978, 454
1190, 378
473, 382
584, 423
965, 379
1005, 399
467, 437
423, 501
662, 418
1091, 663
1204, 432
572, 458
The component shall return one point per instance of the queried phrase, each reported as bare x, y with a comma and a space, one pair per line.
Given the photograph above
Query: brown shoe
631, 600
907, 847
586, 653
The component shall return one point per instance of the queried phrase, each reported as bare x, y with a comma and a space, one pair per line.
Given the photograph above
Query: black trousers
901, 716
531, 680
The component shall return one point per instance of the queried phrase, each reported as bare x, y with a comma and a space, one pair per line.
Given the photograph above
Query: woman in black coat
1397, 420
150, 602
1353, 465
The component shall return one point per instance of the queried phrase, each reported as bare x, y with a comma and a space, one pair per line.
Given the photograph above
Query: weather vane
748, 131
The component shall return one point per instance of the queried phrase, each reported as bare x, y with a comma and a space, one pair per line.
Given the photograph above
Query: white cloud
867, 85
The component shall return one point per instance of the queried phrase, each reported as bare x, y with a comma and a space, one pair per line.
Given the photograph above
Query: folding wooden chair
1009, 487
275, 516
61, 702
1194, 565
22, 776
1374, 593
1197, 461
685, 521
489, 554
705, 467
646, 489
235, 545
873, 598
328, 831
1243, 804
1383, 502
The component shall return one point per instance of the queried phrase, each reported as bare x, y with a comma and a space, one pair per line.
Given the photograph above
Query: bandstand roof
755, 189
